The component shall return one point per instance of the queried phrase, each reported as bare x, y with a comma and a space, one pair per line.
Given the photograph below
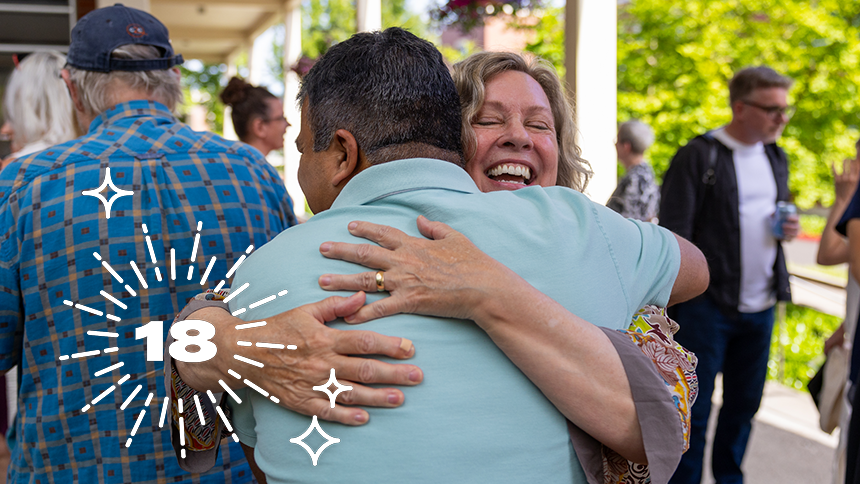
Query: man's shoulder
698, 149
702, 142
208, 141
50, 162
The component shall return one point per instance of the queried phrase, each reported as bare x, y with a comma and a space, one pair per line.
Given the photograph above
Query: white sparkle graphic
332, 380
300, 440
107, 183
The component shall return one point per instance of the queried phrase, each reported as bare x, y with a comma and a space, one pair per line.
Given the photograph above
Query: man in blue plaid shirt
79, 276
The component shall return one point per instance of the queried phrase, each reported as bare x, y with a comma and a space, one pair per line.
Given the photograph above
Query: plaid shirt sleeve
11, 313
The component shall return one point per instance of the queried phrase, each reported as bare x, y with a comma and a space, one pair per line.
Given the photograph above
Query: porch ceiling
217, 30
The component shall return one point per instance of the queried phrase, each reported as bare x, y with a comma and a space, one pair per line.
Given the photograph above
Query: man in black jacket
720, 192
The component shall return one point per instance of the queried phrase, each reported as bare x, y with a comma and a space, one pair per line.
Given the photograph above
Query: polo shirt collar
132, 109
393, 177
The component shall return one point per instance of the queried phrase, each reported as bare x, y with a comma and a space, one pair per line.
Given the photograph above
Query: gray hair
471, 76
638, 134
37, 103
97, 90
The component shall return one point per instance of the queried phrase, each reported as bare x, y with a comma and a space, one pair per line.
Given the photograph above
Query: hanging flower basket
303, 65
468, 14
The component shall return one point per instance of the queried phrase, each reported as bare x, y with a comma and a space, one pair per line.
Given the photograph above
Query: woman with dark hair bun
258, 116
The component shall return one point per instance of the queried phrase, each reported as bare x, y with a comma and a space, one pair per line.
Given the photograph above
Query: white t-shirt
756, 206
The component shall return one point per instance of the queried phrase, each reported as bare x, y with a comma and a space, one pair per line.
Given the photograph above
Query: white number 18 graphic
153, 332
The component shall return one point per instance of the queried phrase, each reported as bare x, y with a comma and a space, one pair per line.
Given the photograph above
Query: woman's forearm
572, 362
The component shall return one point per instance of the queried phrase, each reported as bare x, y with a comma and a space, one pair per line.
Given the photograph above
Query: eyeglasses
773, 111
281, 118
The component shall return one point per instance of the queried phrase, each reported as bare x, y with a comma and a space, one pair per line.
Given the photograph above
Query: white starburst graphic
152, 345
107, 183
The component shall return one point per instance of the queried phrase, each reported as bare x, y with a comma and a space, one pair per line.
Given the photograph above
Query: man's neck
738, 132
119, 97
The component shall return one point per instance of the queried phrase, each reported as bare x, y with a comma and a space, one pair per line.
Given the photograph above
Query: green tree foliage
549, 39
201, 84
797, 348
675, 59
327, 22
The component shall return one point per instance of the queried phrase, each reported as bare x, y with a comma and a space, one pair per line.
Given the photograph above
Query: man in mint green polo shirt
369, 107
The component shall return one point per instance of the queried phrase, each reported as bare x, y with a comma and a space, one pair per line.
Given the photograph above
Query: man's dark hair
392, 91
748, 80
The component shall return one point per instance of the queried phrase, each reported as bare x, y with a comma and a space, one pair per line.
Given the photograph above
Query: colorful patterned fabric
206, 435
73, 425
652, 331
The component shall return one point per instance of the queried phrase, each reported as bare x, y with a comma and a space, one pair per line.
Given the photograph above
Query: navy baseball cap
101, 31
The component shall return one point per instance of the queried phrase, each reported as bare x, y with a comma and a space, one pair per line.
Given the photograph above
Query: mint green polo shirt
475, 417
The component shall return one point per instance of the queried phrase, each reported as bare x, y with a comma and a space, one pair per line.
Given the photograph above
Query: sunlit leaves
676, 59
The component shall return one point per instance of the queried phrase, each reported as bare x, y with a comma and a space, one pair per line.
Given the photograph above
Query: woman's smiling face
515, 133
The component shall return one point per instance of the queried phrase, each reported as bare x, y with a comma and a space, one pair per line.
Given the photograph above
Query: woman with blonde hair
37, 106
471, 77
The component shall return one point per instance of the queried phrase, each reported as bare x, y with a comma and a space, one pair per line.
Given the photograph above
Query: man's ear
350, 163
738, 108
73, 90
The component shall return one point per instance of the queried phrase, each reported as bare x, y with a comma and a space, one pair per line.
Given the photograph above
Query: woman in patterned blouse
637, 195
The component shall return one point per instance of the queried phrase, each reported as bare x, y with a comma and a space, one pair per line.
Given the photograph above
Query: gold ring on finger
380, 281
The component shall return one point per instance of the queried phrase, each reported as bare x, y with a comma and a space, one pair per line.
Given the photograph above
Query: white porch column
368, 15
292, 52
229, 130
591, 61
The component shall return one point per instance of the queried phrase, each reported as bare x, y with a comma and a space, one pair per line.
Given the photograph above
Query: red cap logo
135, 30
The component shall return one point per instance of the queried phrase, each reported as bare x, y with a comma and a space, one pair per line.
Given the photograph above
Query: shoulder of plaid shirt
49, 233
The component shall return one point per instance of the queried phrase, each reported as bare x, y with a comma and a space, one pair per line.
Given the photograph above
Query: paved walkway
786, 446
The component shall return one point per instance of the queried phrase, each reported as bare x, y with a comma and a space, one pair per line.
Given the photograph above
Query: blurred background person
38, 114
37, 106
637, 195
721, 192
258, 116
850, 227
834, 249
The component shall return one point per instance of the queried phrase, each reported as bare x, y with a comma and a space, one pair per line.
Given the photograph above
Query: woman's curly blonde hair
471, 76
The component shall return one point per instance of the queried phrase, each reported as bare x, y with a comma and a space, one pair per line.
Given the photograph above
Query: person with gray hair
37, 106
82, 414
38, 112
637, 195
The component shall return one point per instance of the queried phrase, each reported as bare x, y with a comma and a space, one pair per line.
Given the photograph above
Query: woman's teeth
513, 170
